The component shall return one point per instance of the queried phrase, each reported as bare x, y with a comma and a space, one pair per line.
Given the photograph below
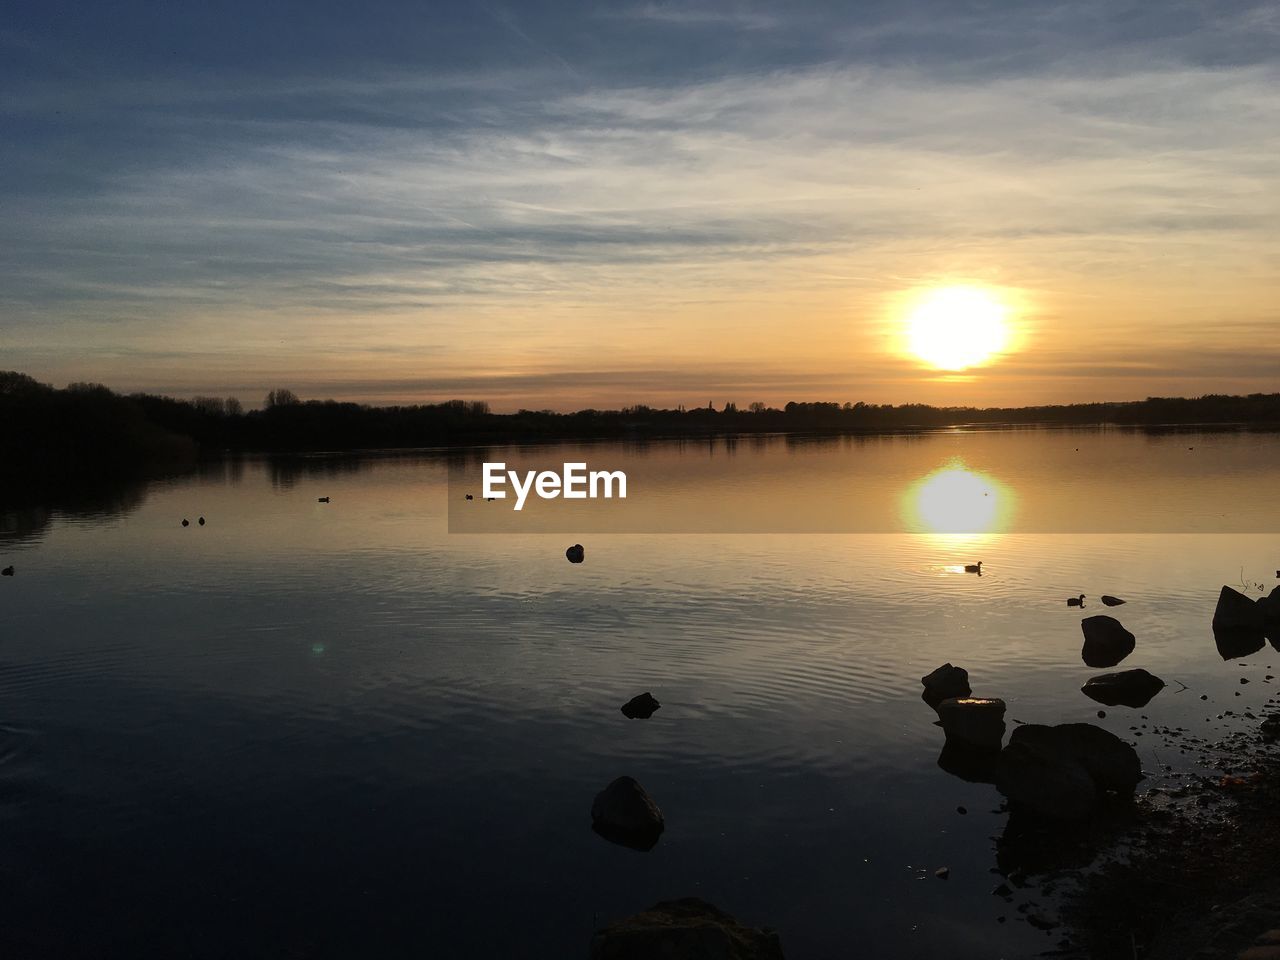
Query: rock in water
625, 814
688, 929
641, 707
1270, 605
1236, 611
973, 722
576, 553
1106, 641
1064, 772
1111, 601
7, 571
1128, 688
1239, 624
1044, 784
945, 683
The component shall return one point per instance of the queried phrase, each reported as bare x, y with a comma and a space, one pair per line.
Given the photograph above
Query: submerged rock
1065, 772
576, 553
1106, 641
945, 683
1128, 688
688, 929
1111, 601
974, 722
641, 707
624, 813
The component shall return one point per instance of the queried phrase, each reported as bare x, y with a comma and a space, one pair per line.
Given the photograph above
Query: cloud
765, 198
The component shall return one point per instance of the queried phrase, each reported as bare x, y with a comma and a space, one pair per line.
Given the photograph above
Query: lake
338, 729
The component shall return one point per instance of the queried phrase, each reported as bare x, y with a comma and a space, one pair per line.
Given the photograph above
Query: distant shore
89, 429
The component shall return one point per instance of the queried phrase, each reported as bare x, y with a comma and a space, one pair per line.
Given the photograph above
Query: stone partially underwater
1106, 641
1241, 625
640, 707
1128, 688
687, 929
625, 814
1067, 771
975, 723
945, 683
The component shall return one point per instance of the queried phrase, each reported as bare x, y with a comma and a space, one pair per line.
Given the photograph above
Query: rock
974, 722
1270, 605
1128, 688
1270, 727
688, 929
625, 814
942, 873
1111, 601
1065, 771
1239, 624
576, 553
1235, 611
7, 571
641, 707
1106, 641
1044, 784
944, 683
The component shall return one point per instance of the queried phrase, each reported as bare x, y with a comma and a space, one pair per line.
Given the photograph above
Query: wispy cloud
582, 202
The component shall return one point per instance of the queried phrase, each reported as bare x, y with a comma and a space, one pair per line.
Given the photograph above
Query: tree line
88, 428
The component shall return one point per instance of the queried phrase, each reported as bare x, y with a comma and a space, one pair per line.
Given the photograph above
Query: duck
7, 571
974, 568
186, 522
1076, 601
201, 521
470, 497
322, 500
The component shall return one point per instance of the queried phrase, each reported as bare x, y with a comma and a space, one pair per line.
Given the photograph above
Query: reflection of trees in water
25, 513
284, 471
229, 470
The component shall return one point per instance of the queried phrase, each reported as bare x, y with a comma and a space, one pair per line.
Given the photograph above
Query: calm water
337, 730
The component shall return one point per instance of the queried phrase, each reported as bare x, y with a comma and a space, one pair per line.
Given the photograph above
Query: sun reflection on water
954, 499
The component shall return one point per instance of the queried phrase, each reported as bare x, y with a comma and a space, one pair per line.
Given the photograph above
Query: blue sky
566, 205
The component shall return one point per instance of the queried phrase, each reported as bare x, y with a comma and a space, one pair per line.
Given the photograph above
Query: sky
563, 205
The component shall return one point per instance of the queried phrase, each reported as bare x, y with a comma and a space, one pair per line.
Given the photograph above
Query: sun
954, 328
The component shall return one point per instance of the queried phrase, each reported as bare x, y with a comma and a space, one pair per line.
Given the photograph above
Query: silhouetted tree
281, 398
214, 406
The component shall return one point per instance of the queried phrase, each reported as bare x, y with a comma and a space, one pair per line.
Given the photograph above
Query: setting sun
957, 327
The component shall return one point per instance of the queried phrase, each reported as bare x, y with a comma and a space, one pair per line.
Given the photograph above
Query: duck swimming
1076, 601
974, 568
